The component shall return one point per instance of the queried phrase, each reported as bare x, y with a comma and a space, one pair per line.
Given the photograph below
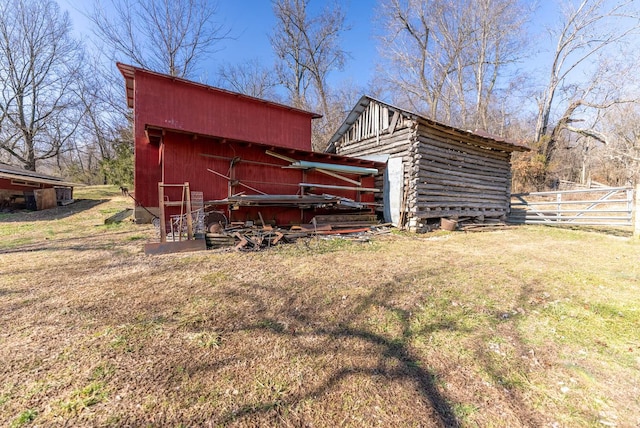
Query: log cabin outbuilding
249, 157
434, 171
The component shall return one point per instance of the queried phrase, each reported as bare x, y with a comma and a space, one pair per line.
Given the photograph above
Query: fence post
636, 212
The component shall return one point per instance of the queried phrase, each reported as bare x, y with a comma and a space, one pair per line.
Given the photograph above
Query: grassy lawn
528, 326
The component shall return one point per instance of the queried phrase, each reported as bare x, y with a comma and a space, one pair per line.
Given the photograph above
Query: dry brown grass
519, 327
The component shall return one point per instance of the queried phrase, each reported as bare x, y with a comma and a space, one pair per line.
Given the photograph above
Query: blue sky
251, 22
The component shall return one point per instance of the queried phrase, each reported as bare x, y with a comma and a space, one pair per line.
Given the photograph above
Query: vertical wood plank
385, 118
189, 218
163, 230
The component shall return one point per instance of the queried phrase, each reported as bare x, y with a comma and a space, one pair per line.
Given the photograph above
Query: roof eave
364, 101
129, 71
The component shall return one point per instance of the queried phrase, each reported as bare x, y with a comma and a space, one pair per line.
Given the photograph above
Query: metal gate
608, 206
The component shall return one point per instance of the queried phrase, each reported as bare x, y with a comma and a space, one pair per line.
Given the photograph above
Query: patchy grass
527, 326
24, 418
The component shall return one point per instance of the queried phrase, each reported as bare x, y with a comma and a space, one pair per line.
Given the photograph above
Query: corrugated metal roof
15, 173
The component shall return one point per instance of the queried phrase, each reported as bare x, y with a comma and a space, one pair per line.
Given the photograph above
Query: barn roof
479, 136
129, 72
16, 173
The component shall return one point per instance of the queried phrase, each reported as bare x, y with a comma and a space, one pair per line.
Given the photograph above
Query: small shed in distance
248, 156
20, 188
434, 170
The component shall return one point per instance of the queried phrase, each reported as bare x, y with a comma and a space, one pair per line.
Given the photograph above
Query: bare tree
447, 59
288, 45
103, 117
249, 78
621, 155
40, 66
421, 55
168, 36
590, 74
589, 28
497, 44
603, 119
308, 49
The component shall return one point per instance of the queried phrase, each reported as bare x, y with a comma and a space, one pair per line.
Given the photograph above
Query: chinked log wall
447, 175
455, 178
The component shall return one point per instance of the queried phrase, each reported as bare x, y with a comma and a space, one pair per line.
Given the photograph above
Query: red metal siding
180, 105
185, 161
147, 167
198, 120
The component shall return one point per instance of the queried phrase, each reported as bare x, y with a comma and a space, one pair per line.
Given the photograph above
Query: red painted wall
164, 102
198, 120
185, 161
6, 184
186, 106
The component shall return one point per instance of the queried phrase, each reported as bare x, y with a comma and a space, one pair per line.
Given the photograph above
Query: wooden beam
279, 156
325, 172
239, 183
330, 186
394, 122
163, 231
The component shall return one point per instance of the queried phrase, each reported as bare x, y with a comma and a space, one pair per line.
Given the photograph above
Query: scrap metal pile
307, 201
248, 236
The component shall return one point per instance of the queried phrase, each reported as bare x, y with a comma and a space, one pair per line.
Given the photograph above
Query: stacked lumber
344, 221
251, 237
219, 240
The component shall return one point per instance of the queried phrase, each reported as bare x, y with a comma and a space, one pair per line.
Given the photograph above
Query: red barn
245, 154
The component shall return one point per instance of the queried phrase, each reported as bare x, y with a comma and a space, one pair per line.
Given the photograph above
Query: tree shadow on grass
294, 323
80, 243
55, 213
279, 311
330, 329
509, 359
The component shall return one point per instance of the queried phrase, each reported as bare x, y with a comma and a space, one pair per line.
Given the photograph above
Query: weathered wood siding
457, 178
448, 172
380, 130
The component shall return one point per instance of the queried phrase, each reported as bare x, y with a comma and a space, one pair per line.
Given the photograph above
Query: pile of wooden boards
251, 237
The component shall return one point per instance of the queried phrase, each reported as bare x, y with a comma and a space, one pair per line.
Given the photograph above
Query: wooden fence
610, 206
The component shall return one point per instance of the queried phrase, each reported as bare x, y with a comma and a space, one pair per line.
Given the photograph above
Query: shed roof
16, 173
129, 72
479, 136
